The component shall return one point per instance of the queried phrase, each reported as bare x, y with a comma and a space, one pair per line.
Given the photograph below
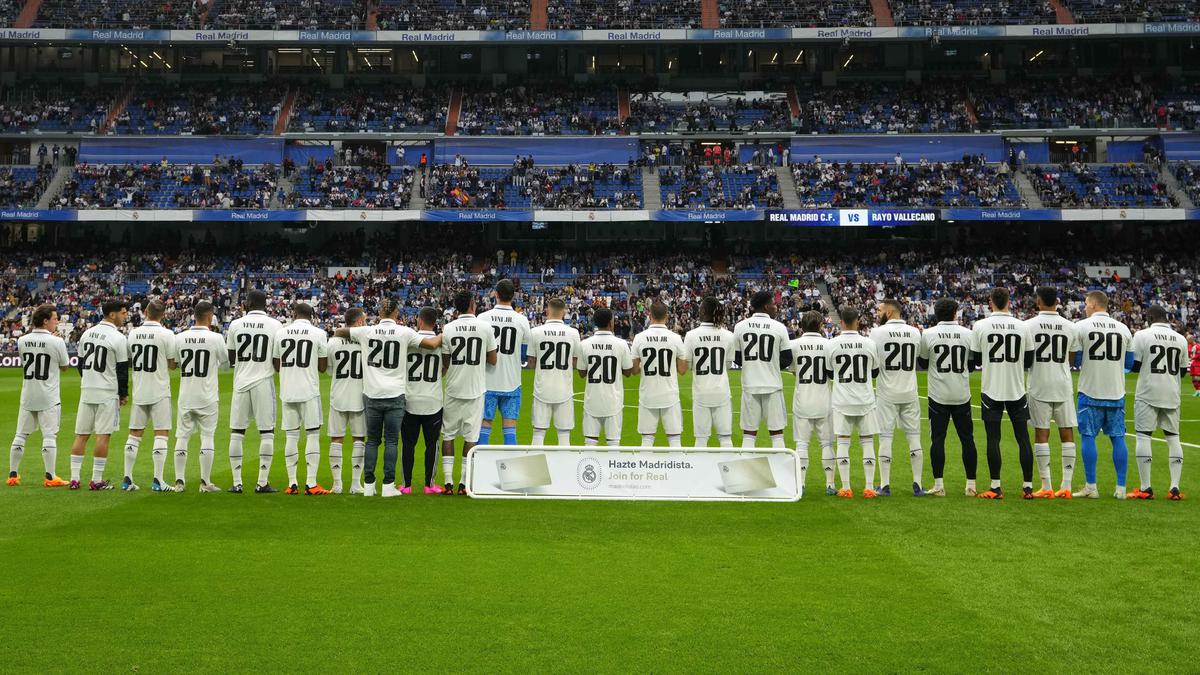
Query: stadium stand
524, 185
709, 111
22, 186
971, 12
603, 14
368, 107
168, 14
223, 184
795, 13
541, 110
202, 109
1066, 102
742, 186
341, 187
453, 15
1126, 11
1077, 185
883, 107
1188, 175
971, 182
287, 14
53, 107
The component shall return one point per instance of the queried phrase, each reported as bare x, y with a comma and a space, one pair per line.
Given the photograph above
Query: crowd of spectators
740, 186
53, 107
1133, 11
623, 278
224, 183
795, 13
138, 14
453, 15
1188, 175
375, 186
620, 14
369, 107
22, 186
971, 12
971, 182
884, 107
287, 14
526, 185
1078, 185
539, 111
202, 109
655, 112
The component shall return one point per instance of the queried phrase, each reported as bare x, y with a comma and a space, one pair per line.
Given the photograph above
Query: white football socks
358, 453
1175, 450
291, 455
235, 457
725, 441
1142, 455
208, 453
539, 437
181, 453
76, 466
1068, 465
674, 441
159, 457
312, 457
916, 458
335, 463
266, 455
131, 453
885, 460
49, 455
828, 464
777, 440
843, 461
748, 440
868, 451
701, 441
448, 469
16, 454
1041, 453
98, 464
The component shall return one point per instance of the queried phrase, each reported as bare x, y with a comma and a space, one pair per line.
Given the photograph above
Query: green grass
148, 582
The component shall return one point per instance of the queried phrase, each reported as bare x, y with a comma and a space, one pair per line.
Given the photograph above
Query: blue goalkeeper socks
510, 436
1088, 445
1120, 454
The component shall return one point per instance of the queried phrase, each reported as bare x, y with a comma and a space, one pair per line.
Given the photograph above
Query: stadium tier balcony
1077, 185
971, 12
1133, 11
743, 186
162, 14
225, 184
1071, 102
577, 186
22, 186
453, 15
374, 107
202, 109
53, 107
604, 14
537, 111
350, 187
970, 183
287, 14
1178, 106
795, 13
1188, 175
859, 107
710, 111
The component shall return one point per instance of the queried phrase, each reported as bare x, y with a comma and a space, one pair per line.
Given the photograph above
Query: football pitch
123, 582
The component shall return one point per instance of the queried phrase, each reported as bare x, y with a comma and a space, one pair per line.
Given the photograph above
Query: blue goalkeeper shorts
1094, 419
509, 403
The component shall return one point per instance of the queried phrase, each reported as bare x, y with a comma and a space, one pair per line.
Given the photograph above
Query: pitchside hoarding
633, 473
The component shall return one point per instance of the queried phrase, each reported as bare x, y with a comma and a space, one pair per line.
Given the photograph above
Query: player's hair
302, 310
1047, 295
1099, 299
42, 314
255, 300
658, 311
999, 298
155, 309
710, 310
849, 316
761, 299
558, 305
428, 316
388, 308
894, 304
112, 306
811, 321
462, 301
602, 319
353, 314
505, 290
202, 310
945, 309
1157, 314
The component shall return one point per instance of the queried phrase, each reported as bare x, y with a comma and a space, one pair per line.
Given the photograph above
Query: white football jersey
43, 356
1103, 341
555, 347
853, 363
1054, 340
424, 396
299, 346
151, 348
811, 354
709, 353
602, 359
467, 341
101, 348
657, 347
948, 346
252, 341
1163, 356
511, 331
346, 389
385, 348
1002, 342
898, 345
761, 340
202, 354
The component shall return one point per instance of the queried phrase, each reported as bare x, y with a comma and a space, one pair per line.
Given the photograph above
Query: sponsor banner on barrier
248, 215
472, 215
707, 215
1001, 214
702, 474
853, 217
37, 214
